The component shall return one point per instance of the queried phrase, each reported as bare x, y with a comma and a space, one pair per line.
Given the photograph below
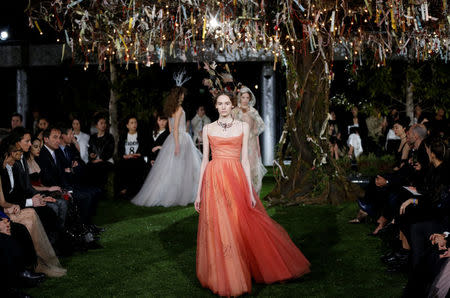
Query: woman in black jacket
101, 150
132, 153
159, 135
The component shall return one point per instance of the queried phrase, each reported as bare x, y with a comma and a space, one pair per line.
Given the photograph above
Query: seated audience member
101, 150
13, 263
27, 219
35, 170
82, 139
354, 143
419, 117
36, 115
74, 166
43, 124
401, 154
200, 119
61, 206
54, 169
75, 171
16, 120
391, 139
19, 232
159, 135
375, 131
357, 120
439, 125
335, 137
131, 168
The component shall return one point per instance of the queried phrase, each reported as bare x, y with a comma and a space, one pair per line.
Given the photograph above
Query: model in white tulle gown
173, 179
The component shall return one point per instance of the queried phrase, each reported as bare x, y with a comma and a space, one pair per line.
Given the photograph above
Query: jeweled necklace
225, 126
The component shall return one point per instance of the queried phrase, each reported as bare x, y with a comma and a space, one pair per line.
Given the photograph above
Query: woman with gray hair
247, 113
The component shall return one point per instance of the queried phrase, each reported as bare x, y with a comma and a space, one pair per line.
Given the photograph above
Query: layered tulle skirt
173, 179
237, 243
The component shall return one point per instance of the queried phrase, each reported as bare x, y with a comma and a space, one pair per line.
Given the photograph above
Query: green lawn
150, 252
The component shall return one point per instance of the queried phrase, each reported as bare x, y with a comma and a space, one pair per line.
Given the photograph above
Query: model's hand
93, 155
177, 149
197, 204
54, 188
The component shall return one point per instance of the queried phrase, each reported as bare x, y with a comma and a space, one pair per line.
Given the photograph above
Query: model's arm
245, 162
205, 161
176, 129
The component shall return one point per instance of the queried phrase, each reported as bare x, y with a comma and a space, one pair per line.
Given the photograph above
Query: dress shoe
387, 256
94, 245
31, 279
95, 229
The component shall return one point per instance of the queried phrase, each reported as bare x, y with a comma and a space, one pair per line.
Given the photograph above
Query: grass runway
150, 252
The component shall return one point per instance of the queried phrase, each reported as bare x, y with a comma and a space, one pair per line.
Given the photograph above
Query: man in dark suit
54, 172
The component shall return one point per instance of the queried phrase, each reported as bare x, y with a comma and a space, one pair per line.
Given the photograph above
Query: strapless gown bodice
225, 148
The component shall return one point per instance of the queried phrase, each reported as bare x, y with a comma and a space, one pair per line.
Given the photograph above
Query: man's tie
66, 153
54, 157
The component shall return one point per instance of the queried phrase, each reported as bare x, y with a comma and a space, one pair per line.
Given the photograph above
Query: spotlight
4, 35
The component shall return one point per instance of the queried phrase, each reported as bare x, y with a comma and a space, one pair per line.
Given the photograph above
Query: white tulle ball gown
173, 180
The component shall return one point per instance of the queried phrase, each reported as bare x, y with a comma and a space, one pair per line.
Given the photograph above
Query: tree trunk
409, 104
113, 99
312, 177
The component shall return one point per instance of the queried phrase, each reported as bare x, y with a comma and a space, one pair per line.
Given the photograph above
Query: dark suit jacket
52, 174
15, 195
68, 155
158, 142
103, 147
24, 178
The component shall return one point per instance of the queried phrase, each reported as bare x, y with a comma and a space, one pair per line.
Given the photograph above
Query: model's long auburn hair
173, 100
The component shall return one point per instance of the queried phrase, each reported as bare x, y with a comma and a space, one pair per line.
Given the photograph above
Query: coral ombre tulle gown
236, 242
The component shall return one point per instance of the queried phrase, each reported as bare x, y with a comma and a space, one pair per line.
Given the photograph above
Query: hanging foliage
148, 31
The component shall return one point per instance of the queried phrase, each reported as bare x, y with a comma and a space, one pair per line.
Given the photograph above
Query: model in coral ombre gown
236, 242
